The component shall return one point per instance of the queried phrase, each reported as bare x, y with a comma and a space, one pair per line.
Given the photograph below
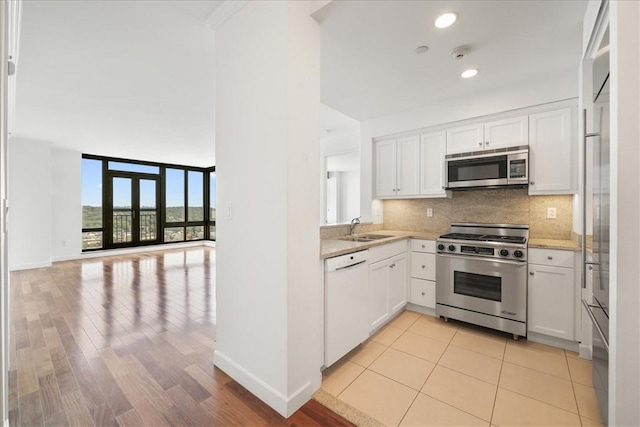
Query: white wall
502, 99
29, 204
66, 204
269, 331
624, 354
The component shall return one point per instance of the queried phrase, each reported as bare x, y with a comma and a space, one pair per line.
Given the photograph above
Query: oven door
489, 286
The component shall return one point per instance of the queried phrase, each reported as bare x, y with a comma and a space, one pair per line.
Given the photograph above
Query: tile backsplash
494, 206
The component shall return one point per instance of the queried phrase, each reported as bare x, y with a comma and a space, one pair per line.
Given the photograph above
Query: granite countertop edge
537, 243
335, 247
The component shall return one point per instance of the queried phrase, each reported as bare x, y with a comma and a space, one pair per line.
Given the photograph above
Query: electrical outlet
429, 212
228, 215
551, 213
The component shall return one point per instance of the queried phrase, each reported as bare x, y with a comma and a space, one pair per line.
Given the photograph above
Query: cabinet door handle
422, 293
549, 257
423, 246
590, 267
486, 143
423, 266
531, 273
480, 144
532, 183
392, 265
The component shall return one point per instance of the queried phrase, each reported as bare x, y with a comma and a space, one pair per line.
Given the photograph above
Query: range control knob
504, 252
452, 248
441, 247
518, 254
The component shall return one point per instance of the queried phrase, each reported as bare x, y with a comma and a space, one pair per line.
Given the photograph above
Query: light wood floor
127, 341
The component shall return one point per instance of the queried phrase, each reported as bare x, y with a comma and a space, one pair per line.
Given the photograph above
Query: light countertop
335, 247
554, 244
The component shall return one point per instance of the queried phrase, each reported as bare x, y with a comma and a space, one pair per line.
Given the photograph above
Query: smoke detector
459, 52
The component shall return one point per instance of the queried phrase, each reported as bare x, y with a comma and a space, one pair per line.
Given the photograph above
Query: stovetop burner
484, 238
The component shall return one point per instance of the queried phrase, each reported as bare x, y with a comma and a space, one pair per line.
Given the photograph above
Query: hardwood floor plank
27, 378
50, 395
66, 381
51, 337
30, 410
103, 416
57, 420
130, 418
113, 362
110, 389
75, 407
35, 334
86, 381
42, 362
188, 406
204, 379
146, 410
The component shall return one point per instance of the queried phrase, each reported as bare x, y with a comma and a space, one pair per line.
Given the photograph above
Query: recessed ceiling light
421, 49
446, 19
467, 74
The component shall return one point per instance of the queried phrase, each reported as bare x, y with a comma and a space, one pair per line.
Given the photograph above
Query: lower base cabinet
551, 293
423, 293
387, 285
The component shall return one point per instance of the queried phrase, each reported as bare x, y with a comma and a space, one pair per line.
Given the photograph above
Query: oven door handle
471, 258
588, 307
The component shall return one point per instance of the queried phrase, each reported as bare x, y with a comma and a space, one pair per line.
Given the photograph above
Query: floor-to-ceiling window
132, 203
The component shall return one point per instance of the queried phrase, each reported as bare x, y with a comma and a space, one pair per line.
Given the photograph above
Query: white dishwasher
345, 304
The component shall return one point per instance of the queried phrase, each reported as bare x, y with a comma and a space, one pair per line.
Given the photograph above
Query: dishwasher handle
350, 266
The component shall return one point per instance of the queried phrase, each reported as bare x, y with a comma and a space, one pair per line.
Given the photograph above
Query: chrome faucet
354, 222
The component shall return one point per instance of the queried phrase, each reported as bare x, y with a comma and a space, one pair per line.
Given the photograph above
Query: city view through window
130, 204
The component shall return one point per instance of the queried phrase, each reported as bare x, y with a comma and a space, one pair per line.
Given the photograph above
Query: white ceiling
130, 79
135, 79
369, 68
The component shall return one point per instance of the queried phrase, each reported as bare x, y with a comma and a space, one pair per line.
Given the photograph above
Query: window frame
206, 222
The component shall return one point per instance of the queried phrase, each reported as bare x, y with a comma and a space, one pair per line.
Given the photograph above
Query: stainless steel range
481, 276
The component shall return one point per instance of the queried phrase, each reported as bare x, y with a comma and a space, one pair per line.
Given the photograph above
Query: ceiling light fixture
421, 49
446, 20
467, 74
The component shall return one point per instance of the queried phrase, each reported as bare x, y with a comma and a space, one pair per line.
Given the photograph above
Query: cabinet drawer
552, 257
423, 292
423, 265
378, 253
420, 245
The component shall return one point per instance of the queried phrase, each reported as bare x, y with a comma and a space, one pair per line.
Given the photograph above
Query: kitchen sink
364, 238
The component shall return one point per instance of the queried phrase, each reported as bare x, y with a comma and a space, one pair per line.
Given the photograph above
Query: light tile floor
420, 371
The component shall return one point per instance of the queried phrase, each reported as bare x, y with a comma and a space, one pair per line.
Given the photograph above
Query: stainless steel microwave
500, 167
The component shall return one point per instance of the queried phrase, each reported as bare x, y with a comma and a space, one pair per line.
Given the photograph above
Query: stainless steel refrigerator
596, 253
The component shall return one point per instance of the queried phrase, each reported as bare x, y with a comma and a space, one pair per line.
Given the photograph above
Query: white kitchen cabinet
510, 132
432, 151
463, 139
423, 273
551, 294
552, 152
397, 167
378, 293
397, 283
388, 276
385, 168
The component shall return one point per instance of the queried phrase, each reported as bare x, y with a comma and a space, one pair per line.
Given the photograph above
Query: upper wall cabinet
397, 167
553, 152
432, 149
511, 132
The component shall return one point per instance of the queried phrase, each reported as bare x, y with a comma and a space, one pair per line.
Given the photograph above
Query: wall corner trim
285, 406
224, 12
